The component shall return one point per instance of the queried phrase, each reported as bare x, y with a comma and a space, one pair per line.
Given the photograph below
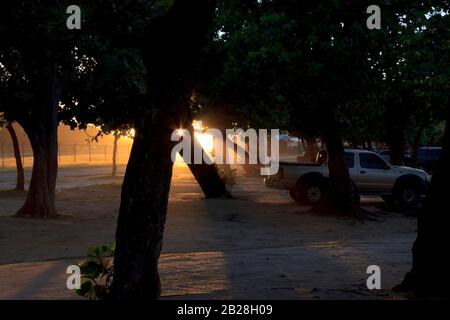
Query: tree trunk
342, 197
302, 147
207, 176
42, 131
114, 157
397, 148
397, 118
311, 148
417, 138
353, 144
428, 274
142, 214
369, 145
20, 182
175, 42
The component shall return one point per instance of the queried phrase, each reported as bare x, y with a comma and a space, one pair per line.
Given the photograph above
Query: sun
206, 140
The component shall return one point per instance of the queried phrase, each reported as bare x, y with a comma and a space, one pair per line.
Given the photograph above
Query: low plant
97, 272
228, 176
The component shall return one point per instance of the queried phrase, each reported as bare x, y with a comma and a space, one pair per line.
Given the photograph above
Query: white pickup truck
372, 175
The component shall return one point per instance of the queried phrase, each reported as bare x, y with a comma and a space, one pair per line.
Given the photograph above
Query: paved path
317, 271
68, 177
259, 245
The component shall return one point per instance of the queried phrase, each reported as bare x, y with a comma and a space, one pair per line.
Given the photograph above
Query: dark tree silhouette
205, 174
174, 42
20, 181
114, 154
35, 66
428, 274
41, 127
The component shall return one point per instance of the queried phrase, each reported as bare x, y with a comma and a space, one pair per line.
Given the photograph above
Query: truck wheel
296, 195
314, 192
407, 195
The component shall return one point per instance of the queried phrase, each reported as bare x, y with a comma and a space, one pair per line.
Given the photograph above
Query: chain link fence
91, 154
68, 155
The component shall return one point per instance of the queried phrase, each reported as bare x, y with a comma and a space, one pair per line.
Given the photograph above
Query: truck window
350, 159
371, 161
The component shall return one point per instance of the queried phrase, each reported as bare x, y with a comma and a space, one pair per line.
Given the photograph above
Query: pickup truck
371, 175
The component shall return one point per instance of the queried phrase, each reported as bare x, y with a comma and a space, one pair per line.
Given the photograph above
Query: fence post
23, 154
105, 154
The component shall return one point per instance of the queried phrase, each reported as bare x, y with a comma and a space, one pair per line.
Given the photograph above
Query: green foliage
111, 91
98, 67
288, 64
269, 63
252, 53
97, 272
165, 4
284, 64
411, 78
32, 54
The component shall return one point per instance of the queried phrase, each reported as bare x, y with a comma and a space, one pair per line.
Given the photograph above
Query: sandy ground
260, 245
